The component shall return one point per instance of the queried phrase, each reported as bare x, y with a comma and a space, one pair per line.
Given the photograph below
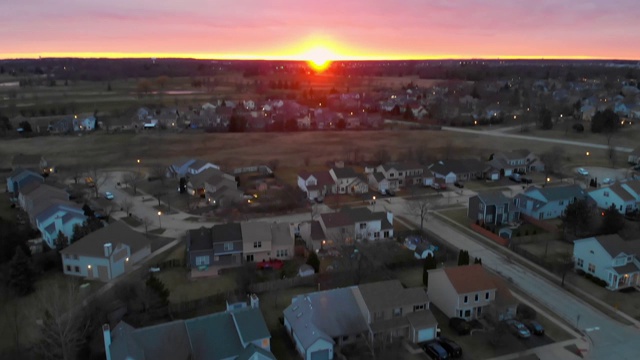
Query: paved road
611, 339
536, 138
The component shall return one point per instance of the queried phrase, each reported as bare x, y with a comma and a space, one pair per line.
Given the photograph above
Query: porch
623, 277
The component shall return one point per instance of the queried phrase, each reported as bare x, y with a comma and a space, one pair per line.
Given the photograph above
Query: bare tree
552, 160
76, 173
158, 171
126, 205
146, 222
612, 154
420, 209
133, 179
99, 177
64, 325
381, 156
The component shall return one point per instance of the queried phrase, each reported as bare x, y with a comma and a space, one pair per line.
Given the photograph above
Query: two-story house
348, 181
256, 241
400, 174
189, 167
378, 312
239, 332
493, 207
39, 198
610, 258
548, 202
458, 170
210, 180
515, 161
317, 184
347, 225
20, 178
625, 196
470, 292
106, 253
59, 218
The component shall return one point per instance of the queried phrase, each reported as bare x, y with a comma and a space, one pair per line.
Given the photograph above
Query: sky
335, 29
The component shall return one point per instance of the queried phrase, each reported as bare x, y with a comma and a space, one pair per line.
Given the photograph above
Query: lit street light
373, 202
160, 218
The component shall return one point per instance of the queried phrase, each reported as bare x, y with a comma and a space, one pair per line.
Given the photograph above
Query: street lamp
160, 218
373, 201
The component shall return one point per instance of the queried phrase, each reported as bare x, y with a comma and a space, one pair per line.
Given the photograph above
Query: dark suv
435, 351
460, 326
453, 349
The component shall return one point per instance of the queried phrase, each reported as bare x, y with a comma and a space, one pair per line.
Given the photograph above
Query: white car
608, 181
109, 196
582, 172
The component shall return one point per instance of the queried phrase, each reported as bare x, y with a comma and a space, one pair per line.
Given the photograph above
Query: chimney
255, 302
106, 334
107, 249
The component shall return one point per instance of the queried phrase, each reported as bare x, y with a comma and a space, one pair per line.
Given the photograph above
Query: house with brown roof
357, 224
609, 258
470, 292
316, 184
106, 253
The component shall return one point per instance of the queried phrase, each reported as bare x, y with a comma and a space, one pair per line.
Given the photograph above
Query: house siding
442, 294
590, 252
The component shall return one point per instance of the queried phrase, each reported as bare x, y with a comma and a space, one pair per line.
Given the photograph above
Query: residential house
106, 253
493, 207
312, 234
515, 161
231, 244
634, 156
19, 178
239, 333
401, 174
470, 292
210, 180
34, 162
189, 167
60, 217
317, 184
376, 312
625, 196
378, 182
39, 198
610, 258
348, 181
548, 202
348, 225
458, 170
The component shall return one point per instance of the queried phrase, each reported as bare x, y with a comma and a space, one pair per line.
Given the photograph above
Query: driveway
602, 173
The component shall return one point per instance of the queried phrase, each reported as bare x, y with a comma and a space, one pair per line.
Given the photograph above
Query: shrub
588, 276
580, 272
477, 222
525, 311
526, 232
516, 234
534, 232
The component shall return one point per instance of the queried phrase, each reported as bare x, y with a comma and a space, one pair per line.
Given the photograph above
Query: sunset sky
339, 29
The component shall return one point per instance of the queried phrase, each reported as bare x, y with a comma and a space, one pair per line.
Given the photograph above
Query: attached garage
423, 326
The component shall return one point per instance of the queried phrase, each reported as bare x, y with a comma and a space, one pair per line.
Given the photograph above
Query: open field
237, 149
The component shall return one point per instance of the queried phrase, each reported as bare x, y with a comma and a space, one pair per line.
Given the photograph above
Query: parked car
515, 177
319, 200
109, 196
637, 167
534, 327
435, 351
270, 264
460, 326
439, 186
458, 184
526, 180
607, 181
518, 329
582, 171
390, 192
453, 349
154, 269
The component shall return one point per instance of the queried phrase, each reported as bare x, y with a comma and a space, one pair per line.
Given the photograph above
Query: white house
106, 253
625, 196
356, 224
189, 167
401, 174
470, 291
59, 217
348, 181
548, 202
316, 185
634, 156
609, 258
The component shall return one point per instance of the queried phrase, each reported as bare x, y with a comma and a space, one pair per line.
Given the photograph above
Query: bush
526, 312
580, 272
477, 222
526, 232
516, 234
588, 276
534, 232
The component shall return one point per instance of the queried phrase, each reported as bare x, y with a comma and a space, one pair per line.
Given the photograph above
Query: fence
283, 283
486, 233
541, 224
182, 307
173, 263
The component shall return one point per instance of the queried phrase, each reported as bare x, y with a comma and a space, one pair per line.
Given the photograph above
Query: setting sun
319, 57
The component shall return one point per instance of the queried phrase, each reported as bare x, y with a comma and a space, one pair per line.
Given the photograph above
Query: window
399, 174
75, 257
257, 244
467, 313
249, 258
376, 235
202, 260
418, 307
592, 268
466, 299
580, 262
77, 269
477, 297
228, 246
489, 218
363, 226
397, 312
68, 268
479, 310
386, 234
481, 206
486, 296
66, 256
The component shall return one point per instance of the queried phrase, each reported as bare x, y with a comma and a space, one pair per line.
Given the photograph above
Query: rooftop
384, 295
469, 278
117, 233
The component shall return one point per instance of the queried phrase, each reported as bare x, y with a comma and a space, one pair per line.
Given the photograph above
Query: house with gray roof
401, 174
238, 333
548, 202
610, 258
458, 170
317, 184
624, 196
380, 312
19, 178
60, 217
312, 234
520, 160
356, 224
492, 207
348, 181
106, 253
209, 181
39, 198
189, 167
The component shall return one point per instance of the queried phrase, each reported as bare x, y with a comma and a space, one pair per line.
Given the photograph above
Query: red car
271, 264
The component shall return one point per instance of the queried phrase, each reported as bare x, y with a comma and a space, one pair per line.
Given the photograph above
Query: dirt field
233, 150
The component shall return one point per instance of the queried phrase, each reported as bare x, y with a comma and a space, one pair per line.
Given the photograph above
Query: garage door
426, 335
320, 355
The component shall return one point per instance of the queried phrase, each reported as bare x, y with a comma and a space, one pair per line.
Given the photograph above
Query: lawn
131, 221
457, 215
185, 289
6, 212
